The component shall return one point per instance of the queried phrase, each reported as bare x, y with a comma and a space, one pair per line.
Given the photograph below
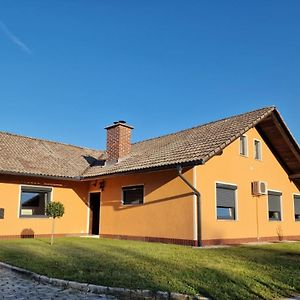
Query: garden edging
98, 289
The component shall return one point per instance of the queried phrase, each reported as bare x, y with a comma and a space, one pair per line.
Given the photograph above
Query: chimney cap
119, 123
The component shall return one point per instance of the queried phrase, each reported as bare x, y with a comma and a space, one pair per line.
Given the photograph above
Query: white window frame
260, 149
235, 204
246, 146
20, 195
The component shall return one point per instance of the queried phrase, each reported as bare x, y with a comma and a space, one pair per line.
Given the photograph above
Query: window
257, 150
133, 194
34, 201
1, 213
226, 201
297, 207
243, 145
274, 206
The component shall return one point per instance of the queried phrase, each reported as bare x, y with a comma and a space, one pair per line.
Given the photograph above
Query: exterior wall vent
259, 188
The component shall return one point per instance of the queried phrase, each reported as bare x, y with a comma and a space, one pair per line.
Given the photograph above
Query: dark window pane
30, 199
274, 215
133, 195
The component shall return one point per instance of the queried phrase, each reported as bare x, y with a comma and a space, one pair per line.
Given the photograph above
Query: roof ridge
272, 107
49, 141
245, 122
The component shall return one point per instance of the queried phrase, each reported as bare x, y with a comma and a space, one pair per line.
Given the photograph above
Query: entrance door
94, 213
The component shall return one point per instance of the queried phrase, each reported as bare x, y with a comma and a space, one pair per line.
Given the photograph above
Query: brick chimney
118, 141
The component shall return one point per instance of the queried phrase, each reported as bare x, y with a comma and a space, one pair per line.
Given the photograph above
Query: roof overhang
281, 142
295, 176
52, 177
166, 167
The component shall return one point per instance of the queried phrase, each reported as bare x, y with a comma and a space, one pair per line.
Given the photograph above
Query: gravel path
17, 286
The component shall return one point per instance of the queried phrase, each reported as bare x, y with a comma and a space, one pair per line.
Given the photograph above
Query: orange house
230, 181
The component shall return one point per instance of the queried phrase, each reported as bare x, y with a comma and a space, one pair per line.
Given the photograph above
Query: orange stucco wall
72, 194
252, 220
167, 211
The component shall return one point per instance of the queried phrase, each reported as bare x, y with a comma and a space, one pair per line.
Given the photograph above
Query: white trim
246, 143
235, 204
130, 185
281, 206
260, 149
19, 200
89, 210
294, 209
100, 207
195, 227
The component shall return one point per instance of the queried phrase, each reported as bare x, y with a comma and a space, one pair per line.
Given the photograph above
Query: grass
245, 272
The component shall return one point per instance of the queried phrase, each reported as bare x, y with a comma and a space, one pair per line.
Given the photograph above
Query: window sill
34, 217
134, 204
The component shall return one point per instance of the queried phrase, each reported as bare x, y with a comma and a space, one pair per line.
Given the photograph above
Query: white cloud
13, 38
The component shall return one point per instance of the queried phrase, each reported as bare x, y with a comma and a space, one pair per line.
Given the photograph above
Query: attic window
133, 194
33, 201
243, 145
257, 150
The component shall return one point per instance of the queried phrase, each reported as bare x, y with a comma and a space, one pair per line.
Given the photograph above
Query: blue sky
69, 68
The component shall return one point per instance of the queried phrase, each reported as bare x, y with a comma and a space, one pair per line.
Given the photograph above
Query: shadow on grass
46, 241
232, 273
275, 267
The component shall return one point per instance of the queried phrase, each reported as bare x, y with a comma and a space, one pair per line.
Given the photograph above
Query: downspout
198, 196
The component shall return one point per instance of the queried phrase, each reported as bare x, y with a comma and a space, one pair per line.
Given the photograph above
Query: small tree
54, 210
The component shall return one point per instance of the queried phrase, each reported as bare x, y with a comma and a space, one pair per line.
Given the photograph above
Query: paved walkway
17, 286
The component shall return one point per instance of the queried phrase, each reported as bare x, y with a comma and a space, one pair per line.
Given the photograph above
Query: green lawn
244, 272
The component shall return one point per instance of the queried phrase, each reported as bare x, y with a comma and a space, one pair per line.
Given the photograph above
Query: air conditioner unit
259, 188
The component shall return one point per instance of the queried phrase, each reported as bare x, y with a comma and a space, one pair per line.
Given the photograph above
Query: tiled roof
24, 155
193, 145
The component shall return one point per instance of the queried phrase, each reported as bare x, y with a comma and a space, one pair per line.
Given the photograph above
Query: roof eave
166, 167
287, 139
12, 173
295, 176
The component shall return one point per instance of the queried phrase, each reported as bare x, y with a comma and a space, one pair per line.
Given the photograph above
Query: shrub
54, 210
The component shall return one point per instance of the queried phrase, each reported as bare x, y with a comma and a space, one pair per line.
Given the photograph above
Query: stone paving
17, 286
